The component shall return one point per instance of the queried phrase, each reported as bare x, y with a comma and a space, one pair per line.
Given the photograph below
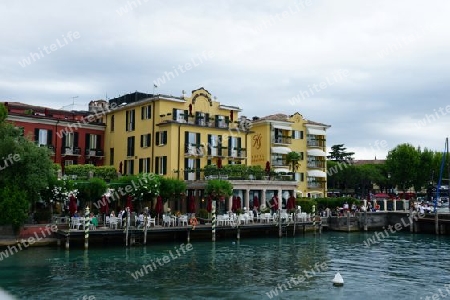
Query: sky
377, 71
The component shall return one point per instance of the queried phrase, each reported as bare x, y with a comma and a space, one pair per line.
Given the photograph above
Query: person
76, 215
94, 221
113, 214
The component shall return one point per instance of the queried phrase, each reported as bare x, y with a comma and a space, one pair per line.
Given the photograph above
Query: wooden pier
158, 233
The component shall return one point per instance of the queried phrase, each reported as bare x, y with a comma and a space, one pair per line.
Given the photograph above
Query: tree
402, 163
339, 154
24, 165
292, 159
218, 190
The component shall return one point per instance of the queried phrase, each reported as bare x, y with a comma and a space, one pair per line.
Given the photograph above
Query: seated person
94, 220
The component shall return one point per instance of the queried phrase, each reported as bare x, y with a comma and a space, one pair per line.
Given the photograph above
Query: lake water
400, 266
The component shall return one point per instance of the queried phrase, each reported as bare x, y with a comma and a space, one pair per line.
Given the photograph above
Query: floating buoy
338, 280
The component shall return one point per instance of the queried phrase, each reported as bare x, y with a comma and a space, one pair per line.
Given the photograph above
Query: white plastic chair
183, 220
167, 221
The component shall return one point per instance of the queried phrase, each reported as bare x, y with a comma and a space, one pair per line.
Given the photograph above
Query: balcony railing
94, 153
281, 162
316, 164
191, 150
315, 185
282, 140
73, 151
315, 143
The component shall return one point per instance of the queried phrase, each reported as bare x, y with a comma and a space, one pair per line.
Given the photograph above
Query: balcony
286, 140
193, 150
70, 151
94, 153
316, 164
315, 143
315, 185
238, 153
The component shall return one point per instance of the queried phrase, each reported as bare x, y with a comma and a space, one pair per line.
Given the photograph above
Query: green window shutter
174, 114
157, 138
164, 165
186, 115
141, 165
99, 142
127, 120
239, 146
219, 146
142, 140
197, 169
157, 165
49, 137
88, 141
142, 112
36, 134
164, 137
206, 119
229, 146
75, 139
209, 144
197, 139
186, 141
186, 165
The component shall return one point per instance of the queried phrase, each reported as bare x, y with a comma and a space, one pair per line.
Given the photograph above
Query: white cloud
258, 70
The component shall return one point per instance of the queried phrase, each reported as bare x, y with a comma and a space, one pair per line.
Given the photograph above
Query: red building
74, 137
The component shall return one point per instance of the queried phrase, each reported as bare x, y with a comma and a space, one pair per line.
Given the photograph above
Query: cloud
262, 58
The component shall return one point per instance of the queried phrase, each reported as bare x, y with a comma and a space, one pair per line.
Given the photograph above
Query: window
69, 140
146, 112
145, 140
201, 118
43, 137
68, 162
192, 169
161, 138
297, 135
93, 141
300, 177
234, 146
129, 166
111, 156
130, 146
222, 121
179, 115
130, 120
213, 145
144, 165
112, 123
161, 165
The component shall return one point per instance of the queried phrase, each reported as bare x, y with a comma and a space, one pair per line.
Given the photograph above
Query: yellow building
274, 136
173, 136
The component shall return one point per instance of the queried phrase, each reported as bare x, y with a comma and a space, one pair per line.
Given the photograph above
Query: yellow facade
273, 137
178, 136
174, 136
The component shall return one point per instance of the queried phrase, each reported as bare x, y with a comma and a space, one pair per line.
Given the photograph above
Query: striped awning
281, 150
316, 173
316, 131
316, 152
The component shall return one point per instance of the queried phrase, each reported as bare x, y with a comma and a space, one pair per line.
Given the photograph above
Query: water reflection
403, 265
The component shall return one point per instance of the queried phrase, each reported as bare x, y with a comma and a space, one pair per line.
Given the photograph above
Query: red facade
74, 137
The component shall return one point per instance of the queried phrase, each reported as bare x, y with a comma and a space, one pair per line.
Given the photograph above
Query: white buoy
338, 280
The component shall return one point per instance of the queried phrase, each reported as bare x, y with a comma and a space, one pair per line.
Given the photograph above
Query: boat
338, 280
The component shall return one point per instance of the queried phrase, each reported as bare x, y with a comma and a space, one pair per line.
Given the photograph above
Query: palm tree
292, 159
